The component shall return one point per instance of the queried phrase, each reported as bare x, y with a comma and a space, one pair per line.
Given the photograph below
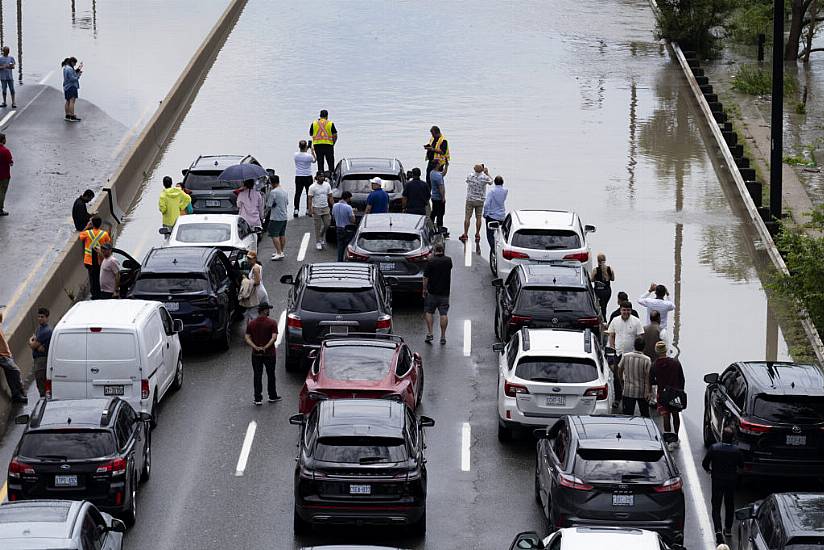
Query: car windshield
789, 409
621, 465
556, 370
171, 284
361, 184
202, 181
543, 302
67, 445
357, 362
388, 242
360, 450
339, 300
545, 239
203, 232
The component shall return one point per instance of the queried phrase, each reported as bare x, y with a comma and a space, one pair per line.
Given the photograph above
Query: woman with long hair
71, 85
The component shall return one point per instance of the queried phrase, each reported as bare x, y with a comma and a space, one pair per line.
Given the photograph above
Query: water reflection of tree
725, 251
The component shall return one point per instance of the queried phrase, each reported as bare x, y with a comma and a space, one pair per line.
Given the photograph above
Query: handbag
673, 398
247, 296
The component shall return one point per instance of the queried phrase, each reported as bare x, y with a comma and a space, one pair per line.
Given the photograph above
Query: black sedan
361, 461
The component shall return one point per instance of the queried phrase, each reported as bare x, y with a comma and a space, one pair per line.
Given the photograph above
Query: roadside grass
753, 80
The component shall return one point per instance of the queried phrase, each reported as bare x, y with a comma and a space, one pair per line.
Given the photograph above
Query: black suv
333, 298
791, 521
58, 525
83, 449
399, 244
776, 411
209, 195
556, 294
198, 285
353, 175
609, 471
361, 461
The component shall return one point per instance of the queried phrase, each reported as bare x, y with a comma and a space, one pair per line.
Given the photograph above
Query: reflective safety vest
93, 239
441, 158
322, 133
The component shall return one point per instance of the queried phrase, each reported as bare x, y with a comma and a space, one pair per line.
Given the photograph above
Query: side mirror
287, 280
130, 264
165, 231
144, 417
541, 433
313, 354
184, 172
270, 171
117, 526
494, 226
416, 357
498, 283
745, 513
22, 419
177, 325
589, 229
711, 378
297, 419
426, 422
529, 540
498, 346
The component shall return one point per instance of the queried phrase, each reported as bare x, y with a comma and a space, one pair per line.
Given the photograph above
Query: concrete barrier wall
66, 280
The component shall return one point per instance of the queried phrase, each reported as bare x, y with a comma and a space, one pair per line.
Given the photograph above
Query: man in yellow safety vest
437, 153
324, 136
93, 238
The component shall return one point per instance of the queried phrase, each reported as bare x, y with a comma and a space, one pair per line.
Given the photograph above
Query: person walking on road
437, 280
622, 297
10, 368
80, 214
39, 344
7, 65
109, 274
722, 461
622, 331
633, 371
416, 194
660, 302
344, 217
377, 201
278, 203
324, 136
495, 209
667, 373
256, 276
320, 202
602, 277
261, 335
438, 193
173, 200
6, 162
476, 184
653, 333
71, 86
93, 238
304, 159
437, 153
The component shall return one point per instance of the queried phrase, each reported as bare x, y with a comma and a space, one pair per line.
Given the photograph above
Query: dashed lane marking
6, 118
467, 254
466, 439
696, 492
46, 78
4, 491
281, 328
467, 338
304, 244
246, 448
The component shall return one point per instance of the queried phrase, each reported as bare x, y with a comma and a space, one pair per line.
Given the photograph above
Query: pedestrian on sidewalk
660, 302
602, 277
39, 344
633, 371
622, 331
7, 64
476, 184
667, 373
437, 153
109, 274
320, 202
10, 368
324, 136
377, 201
172, 201
495, 209
71, 85
304, 159
261, 334
92, 239
437, 280
250, 204
278, 216
722, 461
80, 214
6, 162
653, 333
416, 194
344, 218
622, 297
438, 194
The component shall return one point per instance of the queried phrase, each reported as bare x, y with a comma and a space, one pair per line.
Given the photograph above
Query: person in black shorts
437, 278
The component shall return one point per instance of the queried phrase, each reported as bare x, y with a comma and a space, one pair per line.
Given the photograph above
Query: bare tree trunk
796, 26
810, 34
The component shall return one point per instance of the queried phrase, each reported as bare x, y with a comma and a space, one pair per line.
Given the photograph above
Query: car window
774, 538
89, 535
171, 284
220, 271
512, 349
513, 283
357, 362
243, 228
72, 444
99, 522
560, 445
548, 301
559, 370
123, 429
203, 233
621, 464
788, 409
546, 239
739, 390
404, 361
389, 242
200, 181
506, 226
360, 449
555, 543
168, 324
339, 300
412, 430
311, 429
361, 184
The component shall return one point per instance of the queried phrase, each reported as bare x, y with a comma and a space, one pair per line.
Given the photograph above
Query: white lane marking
7, 118
696, 494
467, 254
466, 439
246, 448
281, 328
46, 78
304, 244
467, 340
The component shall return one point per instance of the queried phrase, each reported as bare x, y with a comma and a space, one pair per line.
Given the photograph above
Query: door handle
167, 345
94, 370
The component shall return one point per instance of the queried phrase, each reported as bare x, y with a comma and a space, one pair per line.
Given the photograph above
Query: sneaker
443, 340
275, 399
275, 256
428, 338
296, 213
3, 213
3, 106
258, 402
319, 245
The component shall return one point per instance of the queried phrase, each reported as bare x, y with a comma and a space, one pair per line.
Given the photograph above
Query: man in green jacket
172, 202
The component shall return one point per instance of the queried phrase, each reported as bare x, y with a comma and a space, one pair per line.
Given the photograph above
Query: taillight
48, 388
116, 467
518, 320
753, 428
294, 322
510, 254
669, 486
511, 390
600, 392
420, 257
579, 256
384, 323
353, 256
144, 389
589, 321
572, 482
16, 468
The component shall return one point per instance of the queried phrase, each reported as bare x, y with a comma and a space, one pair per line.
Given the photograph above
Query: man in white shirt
624, 329
320, 203
659, 303
304, 159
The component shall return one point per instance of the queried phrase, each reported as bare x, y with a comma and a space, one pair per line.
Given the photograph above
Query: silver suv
58, 525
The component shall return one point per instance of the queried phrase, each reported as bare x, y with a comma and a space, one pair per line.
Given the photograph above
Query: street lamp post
777, 120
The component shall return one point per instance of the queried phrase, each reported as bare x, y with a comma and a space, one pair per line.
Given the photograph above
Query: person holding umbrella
250, 204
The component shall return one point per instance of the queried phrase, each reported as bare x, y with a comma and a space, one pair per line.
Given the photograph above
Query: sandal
428, 338
463, 238
477, 238
443, 341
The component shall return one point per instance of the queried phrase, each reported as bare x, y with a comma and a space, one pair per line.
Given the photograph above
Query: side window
123, 429
506, 226
513, 283
764, 520
213, 274
129, 415
89, 536
412, 430
559, 447
555, 544
220, 271
727, 379
404, 362
512, 350
310, 431
739, 390
774, 539
243, 228
168, 324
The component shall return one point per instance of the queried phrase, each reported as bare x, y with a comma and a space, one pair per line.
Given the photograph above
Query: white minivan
124, 348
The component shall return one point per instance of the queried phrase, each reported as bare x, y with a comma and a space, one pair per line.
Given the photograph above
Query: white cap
377, 181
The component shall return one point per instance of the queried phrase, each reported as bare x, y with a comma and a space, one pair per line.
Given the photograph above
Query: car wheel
420, 390
504, 433
419, 527
155, 412
146, 471
300, 526
177, 383
130, 514
709, 438
291, 360
493, 263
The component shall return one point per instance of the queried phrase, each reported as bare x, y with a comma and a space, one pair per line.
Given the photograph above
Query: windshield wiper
631, 477
395, 250
562, 310
371, 459
52, 457
550, 380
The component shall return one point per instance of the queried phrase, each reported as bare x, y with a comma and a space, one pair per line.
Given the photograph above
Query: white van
124, 348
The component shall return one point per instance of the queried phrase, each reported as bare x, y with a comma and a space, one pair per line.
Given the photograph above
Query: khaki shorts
474, 206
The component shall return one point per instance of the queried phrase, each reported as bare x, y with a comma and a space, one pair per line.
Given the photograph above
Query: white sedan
225, 231
591, 538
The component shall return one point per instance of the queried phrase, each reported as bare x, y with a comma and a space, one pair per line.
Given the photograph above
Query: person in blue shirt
344, 216
438, 195
71, 85
378, 200
39, 344
7, 64
495, 208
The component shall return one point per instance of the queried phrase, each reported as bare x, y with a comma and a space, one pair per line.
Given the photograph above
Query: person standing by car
304, 159
653, 333
495, 209
109, 274
438, 190
602, 277
622, 331
324, 136
320, 202
667, 373
633, 371
92, 239
437, 280
80, 214
6, 161
256, 277
377, 201
722, 461
622, 297
10, 368
476, 184
437, 153
278, 216
39, 344
344, 216
250, 204
71, 86
173, 200
261, 334
416, 194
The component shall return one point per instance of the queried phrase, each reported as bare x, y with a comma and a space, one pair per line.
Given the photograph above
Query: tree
803, 14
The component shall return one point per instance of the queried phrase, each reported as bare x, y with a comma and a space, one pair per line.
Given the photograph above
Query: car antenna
69, 420
618, 435
174, 261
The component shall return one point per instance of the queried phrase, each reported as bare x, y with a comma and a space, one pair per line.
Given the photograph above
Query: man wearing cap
261, 333
437, 279
109, 274
378, 200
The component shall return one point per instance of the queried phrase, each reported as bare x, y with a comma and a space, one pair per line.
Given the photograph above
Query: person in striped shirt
633, 370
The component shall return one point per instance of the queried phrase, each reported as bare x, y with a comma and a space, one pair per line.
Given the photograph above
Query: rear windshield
67, 445
556, 370
388, 243
360, 450
546, 301
340, 301
204, 232
621, 465
200, 181
53, 512
361, 184
171, 285
357, 362
545, 239
789, 409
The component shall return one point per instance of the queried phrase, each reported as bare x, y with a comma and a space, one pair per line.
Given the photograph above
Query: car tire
493, 263
177, 382
418, 528
291, 360
146, 470
709, 438
504, 433
129, 515
155, 412
420, 391
299, 525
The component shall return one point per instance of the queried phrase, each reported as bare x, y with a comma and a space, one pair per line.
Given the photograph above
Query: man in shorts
437, 278
279, 204
476, 185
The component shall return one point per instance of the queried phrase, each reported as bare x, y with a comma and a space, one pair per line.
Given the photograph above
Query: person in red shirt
261, 333
5, 173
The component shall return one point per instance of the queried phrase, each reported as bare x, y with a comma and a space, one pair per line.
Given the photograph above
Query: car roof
559, 342
591, 537
177, 259
556, 273
71, 412
544, 218
366, 165
340, 274
616, 432
105, 313
391, 222
207, 218
210, 163
29, 520
803, 513
783, 378
360, 417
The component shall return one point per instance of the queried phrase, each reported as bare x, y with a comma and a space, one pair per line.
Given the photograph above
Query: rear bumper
336, 513
780, 467
407, 283
511, 416
105, 502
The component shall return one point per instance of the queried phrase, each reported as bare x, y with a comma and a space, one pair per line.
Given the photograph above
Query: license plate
112, 390
213, 204
65, 481
623, 500
556, 400
387, 266
338, 329
172, 306
797, 440
360, 490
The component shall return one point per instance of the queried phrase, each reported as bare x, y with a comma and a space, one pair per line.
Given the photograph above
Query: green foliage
748, 19
753, 80
690, 23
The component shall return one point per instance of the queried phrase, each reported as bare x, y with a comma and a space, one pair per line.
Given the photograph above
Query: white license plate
213, 204
623, 500
339, 329
172, 306
387, 266
556, 400
797, 440
65, 481
360, 490
112, 390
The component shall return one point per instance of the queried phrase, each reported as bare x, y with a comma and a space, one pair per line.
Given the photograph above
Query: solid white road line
281, 328
467, 340
696, 492
466, 439
7, 118
467, 254
46, 78
304, 244
246, 448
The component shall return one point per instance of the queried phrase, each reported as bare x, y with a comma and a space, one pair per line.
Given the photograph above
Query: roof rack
588, 341
363, 336
525, 338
